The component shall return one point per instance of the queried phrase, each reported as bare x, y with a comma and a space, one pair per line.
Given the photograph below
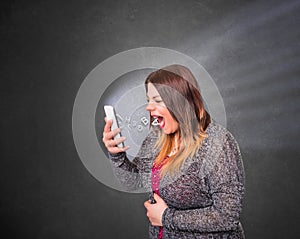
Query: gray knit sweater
205, 199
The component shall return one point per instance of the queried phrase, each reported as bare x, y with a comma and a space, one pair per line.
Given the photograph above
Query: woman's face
158, 109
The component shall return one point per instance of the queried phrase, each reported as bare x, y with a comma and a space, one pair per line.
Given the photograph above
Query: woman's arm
226, 182
134, 174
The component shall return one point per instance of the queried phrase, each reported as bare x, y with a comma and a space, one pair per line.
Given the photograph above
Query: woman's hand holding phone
110, 140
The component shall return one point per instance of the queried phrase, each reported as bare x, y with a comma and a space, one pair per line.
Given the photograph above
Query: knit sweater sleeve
132, 174
226, 183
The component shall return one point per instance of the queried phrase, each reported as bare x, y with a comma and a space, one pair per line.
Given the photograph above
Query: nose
150, 107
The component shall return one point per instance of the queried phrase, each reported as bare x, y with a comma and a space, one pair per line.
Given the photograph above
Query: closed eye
156, 101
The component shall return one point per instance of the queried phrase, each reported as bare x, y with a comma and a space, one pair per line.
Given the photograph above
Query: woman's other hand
155, 211
108, 138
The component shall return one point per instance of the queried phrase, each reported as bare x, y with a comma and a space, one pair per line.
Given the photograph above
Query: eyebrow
156, 96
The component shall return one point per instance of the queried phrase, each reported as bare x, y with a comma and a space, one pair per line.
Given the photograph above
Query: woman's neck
176, 146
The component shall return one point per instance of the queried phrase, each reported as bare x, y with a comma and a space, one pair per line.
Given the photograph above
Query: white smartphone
110, 114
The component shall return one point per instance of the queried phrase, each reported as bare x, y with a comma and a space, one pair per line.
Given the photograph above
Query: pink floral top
156, 188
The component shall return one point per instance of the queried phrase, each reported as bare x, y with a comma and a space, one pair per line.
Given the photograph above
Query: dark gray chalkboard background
250, 48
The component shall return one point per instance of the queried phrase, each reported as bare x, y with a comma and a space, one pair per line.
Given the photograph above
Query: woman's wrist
117, 158
167, 218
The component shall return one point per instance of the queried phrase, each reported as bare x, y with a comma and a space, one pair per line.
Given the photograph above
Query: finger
156, 197
147, 204
107, 127
114, 142
115, 149
116, 131
110, 135
124, 148
109, 144
120, 140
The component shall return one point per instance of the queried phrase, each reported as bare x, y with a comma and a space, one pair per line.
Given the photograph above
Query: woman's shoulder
218, 139
217, 132
219, 144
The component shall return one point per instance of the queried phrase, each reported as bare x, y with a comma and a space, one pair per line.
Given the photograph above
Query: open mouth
160, 121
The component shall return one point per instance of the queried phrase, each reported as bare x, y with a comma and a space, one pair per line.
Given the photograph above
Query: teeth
158, 120
155, 121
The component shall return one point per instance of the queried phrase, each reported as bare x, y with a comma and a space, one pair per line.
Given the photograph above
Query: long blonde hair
180, 92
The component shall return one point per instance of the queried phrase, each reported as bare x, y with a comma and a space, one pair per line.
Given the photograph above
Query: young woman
192, 165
